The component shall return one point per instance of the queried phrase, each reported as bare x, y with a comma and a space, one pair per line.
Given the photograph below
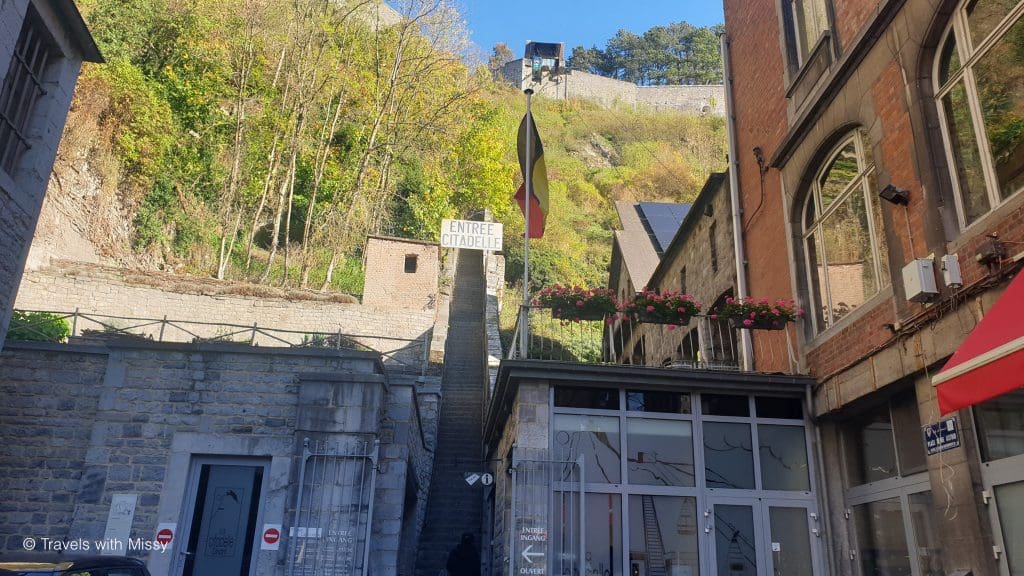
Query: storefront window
724, 405
885, 442
594, 398
663, 402
596, 438
663, 535
783, 457
728, 457
660, 452
782, 408
882, 539
1001, 426
929, 551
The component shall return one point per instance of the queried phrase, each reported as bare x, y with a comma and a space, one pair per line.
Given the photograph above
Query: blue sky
576, 22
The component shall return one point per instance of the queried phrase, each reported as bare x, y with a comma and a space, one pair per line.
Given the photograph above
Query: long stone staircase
454, 507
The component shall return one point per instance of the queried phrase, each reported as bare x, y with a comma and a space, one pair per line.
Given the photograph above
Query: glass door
734, 538
757, 537
1004, 485
792, 538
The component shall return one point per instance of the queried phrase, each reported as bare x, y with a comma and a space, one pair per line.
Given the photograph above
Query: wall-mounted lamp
709, 211
895, 194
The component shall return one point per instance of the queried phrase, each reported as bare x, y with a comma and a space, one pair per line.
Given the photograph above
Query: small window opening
410, 263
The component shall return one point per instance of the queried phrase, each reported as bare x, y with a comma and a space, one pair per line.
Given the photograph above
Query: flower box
577, 314
573, 303
758, 324
653, 318
751, 314
670, 308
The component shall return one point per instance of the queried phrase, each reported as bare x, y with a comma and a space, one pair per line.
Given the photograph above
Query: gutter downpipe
734, 197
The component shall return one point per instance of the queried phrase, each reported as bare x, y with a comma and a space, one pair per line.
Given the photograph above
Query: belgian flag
533, 166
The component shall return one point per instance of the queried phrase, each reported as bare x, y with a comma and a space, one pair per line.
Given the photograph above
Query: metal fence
704, 343
330, 534
547, 533
408, 353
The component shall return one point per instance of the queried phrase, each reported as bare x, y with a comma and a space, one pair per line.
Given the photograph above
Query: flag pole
524, 319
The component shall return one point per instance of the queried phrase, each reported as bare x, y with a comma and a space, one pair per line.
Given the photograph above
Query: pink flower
681, 310
714, 316
729, 300
671, 327
753, 314
748, 322
609, 320
650, 308
800, 312
579, 303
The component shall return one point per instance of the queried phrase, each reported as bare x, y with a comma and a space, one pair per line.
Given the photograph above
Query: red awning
990, 362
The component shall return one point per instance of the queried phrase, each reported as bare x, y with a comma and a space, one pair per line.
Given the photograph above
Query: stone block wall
526, 431
132, 416
22, 190
609, 91
389, 284
401, 335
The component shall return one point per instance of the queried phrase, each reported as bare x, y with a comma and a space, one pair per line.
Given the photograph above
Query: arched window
979, 76
843, 236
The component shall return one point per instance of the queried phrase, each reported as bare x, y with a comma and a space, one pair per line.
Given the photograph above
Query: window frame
34, 33
820, 293
969, 55
898, 486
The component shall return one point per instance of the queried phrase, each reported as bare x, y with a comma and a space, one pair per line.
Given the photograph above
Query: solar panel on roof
662, 220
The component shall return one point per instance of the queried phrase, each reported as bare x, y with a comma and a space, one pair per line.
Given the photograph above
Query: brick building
42, 46
401, 273
836, 106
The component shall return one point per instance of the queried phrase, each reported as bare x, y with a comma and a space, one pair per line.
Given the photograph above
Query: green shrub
38, 327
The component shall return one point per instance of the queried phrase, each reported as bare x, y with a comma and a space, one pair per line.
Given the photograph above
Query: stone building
699, 261
42, 46
311, 420
240, 459
880, 180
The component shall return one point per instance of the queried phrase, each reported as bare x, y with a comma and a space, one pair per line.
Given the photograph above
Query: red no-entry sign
165, 536
271, 537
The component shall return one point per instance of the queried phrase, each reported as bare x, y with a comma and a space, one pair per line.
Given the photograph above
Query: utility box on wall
919, 280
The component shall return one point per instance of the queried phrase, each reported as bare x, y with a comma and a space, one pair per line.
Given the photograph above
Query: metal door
330, 533
547, 529
222, 526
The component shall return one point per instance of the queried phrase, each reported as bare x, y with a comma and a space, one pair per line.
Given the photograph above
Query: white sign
487, 479
165, 533
472, 235
119, 524
271, 537
470, 477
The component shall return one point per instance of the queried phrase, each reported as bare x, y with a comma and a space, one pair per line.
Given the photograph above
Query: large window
805, 21
23, 87
979, 74
653, 461
843, 233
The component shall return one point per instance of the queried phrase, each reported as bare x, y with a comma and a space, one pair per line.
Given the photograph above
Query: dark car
84, 566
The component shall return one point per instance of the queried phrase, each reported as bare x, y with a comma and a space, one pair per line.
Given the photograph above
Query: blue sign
941, 436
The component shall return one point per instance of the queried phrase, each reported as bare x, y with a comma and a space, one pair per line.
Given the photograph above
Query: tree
500, 55
679, 53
